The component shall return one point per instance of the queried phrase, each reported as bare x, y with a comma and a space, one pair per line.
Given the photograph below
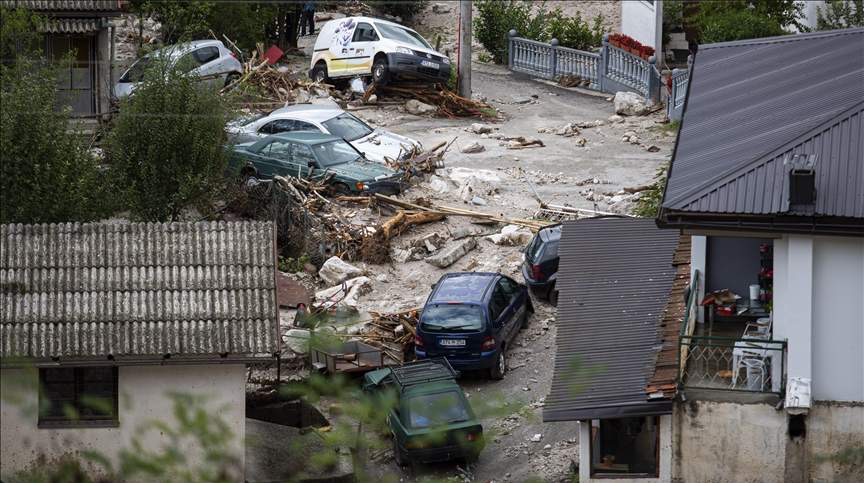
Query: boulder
479, 128
511, 235
452, 253
344, 295
438, 184
416, 107
335, 271
478, 201
630, 104
473, 148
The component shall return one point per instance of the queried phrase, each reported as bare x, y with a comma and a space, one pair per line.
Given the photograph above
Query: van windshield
452, 317
402, 35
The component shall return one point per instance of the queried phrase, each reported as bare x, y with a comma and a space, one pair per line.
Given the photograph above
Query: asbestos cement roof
65, 5
72, 26
752, 107
614, 284
88, 291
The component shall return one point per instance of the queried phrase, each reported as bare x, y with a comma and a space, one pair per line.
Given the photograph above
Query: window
347, 126
303, 155
277, 126
439, 409
301, 126
335, 153
625, 447
511, 288
78, 397
205, 55
364, 33
500, 300
452, 317
401, 34
279, 150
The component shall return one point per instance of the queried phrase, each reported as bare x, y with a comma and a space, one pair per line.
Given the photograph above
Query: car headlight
404, 50
445, 60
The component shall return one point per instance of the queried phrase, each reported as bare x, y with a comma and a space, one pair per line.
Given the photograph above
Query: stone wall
734, 442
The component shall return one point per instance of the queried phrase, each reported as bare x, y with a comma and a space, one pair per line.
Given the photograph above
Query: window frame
360, 28
593, 474
272, 123
45, 421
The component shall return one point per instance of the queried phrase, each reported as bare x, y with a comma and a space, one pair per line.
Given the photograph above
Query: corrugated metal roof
89, 290
64, 5
71, 26
614, 282
752, 103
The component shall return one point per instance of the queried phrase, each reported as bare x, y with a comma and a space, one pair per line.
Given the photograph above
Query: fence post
653, 81
603, 63
510, 36
554, 44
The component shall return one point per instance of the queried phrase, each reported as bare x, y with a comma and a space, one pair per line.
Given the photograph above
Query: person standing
307, 17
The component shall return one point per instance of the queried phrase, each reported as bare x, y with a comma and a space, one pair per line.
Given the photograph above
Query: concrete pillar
665, 466
584, 451
793, 302
698, 259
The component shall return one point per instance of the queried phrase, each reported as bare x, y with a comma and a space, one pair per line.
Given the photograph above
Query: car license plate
452, 342
430, 64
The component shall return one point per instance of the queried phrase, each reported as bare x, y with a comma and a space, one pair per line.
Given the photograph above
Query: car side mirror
433, 286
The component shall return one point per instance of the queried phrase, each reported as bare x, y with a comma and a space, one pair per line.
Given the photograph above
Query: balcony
741, 358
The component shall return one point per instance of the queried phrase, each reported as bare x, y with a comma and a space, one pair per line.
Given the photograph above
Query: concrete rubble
630, 104
343, 296
473, 148
452, 253
511, 235
335, 271
419, 108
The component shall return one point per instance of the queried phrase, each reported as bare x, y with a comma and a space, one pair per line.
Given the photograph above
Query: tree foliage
745, 19
404, 9
840, 14
166, 146
47, 174
532, 21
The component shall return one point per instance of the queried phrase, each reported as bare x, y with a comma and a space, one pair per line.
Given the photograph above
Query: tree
46, 173
840, 14
744, 19
166, 147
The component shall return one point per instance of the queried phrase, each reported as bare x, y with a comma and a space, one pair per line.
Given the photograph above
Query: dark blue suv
471, 318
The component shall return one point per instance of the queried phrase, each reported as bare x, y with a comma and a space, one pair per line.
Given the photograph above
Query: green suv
432, 420
311, 155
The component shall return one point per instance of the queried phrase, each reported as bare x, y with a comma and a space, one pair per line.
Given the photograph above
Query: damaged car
315, 156
377, 145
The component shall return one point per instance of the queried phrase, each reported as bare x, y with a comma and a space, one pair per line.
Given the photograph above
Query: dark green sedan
310, 155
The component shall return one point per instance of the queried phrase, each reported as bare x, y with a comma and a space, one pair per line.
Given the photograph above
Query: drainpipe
111, 68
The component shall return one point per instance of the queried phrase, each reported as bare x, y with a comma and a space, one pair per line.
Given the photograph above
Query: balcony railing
724, 362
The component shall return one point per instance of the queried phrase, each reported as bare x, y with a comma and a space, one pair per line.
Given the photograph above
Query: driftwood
376, 247
450, 211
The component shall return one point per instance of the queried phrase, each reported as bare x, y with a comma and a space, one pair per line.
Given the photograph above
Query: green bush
166, 147
46, 172
573, 32
840, 14
497, 17
404, 9
745, 19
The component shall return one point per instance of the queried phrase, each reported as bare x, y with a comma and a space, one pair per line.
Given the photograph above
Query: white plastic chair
759, 330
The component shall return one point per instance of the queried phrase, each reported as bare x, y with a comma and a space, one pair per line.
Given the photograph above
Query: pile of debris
448, 103
393, 333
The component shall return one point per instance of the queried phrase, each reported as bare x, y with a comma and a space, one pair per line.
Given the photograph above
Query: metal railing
678, 93
728, 363
609, 71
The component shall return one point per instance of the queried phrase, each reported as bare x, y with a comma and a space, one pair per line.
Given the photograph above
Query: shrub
497, 17
648, 204
573, 32
745, 19
46, 172
404, 9
840, 14
166, 147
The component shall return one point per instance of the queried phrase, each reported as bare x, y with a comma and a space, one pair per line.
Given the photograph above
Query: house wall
717, 441
733, 263
818, 308
143, 397
642, 21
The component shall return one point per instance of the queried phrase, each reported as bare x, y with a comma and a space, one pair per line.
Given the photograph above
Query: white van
362, 46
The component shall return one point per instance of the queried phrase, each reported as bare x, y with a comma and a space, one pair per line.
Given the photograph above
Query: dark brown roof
87, 291
665, 378
614, 283
755, 106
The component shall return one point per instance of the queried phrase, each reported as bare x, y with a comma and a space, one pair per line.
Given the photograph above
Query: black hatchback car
540, 269
471, 318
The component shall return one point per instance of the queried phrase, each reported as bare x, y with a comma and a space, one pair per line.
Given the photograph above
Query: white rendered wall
142, 398
642, 21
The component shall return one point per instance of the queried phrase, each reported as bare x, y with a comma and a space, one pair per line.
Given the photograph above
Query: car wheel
398, 456
319, 73
380, 71
341, 189
231, 78
497, 372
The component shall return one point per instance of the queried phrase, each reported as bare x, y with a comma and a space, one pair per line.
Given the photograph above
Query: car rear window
452, 317
436, 409
347, 126
535, 249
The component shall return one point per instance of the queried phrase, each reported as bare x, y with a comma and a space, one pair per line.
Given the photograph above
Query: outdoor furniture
751, 355
761, 329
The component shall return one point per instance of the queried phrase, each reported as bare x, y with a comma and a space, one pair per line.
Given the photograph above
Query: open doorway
625, 447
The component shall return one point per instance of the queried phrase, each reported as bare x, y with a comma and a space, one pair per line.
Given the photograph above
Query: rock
297, 340
568, 130
463, 231
438, 184
590, 124
440, 8
373, 100
452, 253
479, 128
521, 100
416, 107
616, 119
547, 447
301, 96
630, 104
461, 174
536, 438
478, 201
335, 271
382, 277
475, 187
646, 124
652, 148
344, 295
580, 142
511, 235
473, 148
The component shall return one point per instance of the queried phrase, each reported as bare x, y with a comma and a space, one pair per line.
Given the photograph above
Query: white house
768, 178
104, 327
643, 21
